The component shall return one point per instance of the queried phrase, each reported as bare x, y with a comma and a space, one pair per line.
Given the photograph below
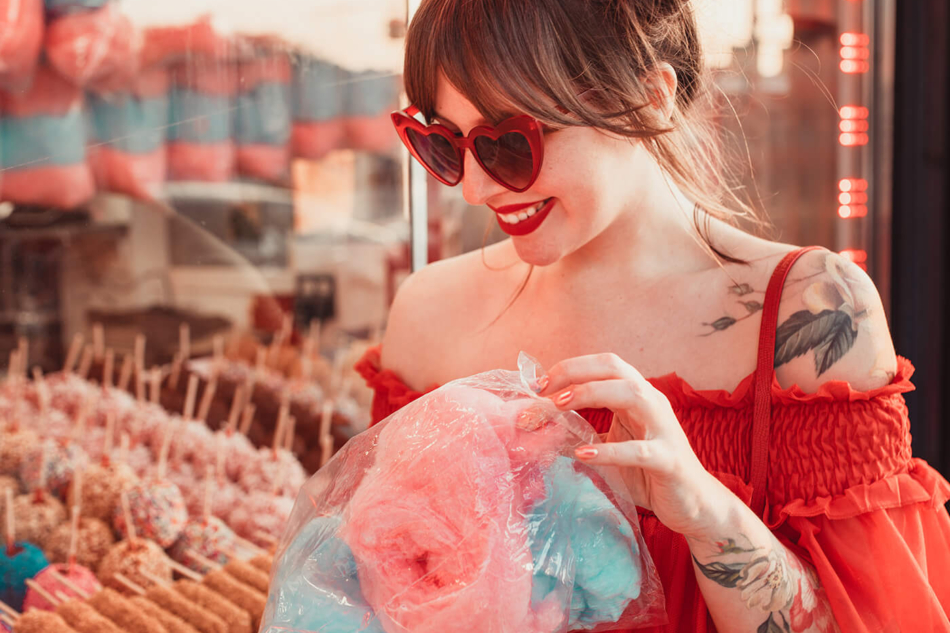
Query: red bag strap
764, 372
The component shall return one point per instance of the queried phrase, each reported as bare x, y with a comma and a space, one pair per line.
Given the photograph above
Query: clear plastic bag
465, 511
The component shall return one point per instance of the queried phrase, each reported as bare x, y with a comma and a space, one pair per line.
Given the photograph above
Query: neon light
852, 184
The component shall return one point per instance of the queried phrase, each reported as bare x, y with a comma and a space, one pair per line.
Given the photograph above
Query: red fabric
844, 493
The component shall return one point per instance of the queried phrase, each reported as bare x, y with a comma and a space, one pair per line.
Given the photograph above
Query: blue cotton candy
27, 561
315, 587
600, 558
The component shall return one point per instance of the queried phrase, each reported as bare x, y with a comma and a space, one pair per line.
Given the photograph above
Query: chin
536, 254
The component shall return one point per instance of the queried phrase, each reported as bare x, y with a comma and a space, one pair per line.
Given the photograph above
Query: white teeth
515, 218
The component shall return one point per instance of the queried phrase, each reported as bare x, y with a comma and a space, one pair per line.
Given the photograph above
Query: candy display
59, 460
36, 621
94, 539
124, 612
102, 486
85, 619
171, 600
248, 574
211, 538
21, 38
237, 619
78, 575
244, 595
43, 140
95, 49
171, 622
462, 499
158, 511
37, 517
18, 563
262, 123
261, 512
138, 561
317, 108
15, 442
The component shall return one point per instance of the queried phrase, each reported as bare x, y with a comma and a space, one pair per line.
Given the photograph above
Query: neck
653, 239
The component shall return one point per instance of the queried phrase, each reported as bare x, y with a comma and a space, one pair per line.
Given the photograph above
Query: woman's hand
645, 439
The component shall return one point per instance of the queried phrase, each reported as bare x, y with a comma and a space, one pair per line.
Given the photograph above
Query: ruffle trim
920, 484
378, 379
680, 393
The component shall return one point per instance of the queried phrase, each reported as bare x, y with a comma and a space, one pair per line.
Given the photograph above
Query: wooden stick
247, 419
131, 586
109, 440
75, 348
170, 429
124, 443
282, 416
217, 365
73, 536
155, 381
11, 524
125, 374
9, 620
98, 340
235, 413
85, 363
326, 449
190, 395
206, 399
219, 462
108, 367
139, 354
184, 571
13, 367
69, 584
204, 560
184, 341
129, 524
289, 431
209, 492
264, 536
42, 389
50, 598
62, 597
162, 582
246, 544
176, 371
326, 417
139, 387
9, 610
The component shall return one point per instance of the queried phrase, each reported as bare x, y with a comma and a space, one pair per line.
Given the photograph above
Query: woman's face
587, 181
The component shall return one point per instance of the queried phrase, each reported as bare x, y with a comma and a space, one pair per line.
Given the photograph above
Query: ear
661, 84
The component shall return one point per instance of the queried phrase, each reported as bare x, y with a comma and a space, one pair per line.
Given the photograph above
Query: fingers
637, 397
645, 454
583, 369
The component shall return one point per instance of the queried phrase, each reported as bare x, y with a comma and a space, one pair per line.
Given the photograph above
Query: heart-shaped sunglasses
510, 153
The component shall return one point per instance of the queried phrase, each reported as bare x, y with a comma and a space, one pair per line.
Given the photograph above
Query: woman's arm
751, 582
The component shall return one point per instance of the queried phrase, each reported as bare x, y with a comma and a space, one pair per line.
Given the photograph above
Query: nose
477, 186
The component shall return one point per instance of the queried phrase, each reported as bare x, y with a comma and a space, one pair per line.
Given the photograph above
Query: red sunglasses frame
527, 126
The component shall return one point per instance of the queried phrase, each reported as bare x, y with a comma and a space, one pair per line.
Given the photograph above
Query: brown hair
534, 56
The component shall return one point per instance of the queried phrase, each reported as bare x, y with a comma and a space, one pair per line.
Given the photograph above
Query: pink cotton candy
429, 525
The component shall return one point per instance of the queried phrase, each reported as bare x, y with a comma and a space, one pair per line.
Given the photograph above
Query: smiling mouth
521, 216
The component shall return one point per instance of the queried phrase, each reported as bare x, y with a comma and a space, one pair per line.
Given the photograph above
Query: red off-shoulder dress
843, 490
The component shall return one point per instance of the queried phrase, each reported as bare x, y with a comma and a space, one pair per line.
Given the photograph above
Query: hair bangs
502, 64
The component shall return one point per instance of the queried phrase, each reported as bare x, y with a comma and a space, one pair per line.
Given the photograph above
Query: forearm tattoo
769, 581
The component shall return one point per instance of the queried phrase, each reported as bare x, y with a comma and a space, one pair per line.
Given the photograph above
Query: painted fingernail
543, 382
564, 398
586, 452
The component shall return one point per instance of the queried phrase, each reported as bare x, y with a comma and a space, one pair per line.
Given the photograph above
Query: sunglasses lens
509, 158
438, 154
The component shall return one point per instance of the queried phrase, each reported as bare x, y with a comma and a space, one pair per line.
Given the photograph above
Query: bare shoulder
832, 326
435, 306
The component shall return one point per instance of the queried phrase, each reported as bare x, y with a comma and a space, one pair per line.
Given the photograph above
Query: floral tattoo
829, 325
790, 598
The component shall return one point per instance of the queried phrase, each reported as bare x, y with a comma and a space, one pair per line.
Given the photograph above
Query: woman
579, 123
